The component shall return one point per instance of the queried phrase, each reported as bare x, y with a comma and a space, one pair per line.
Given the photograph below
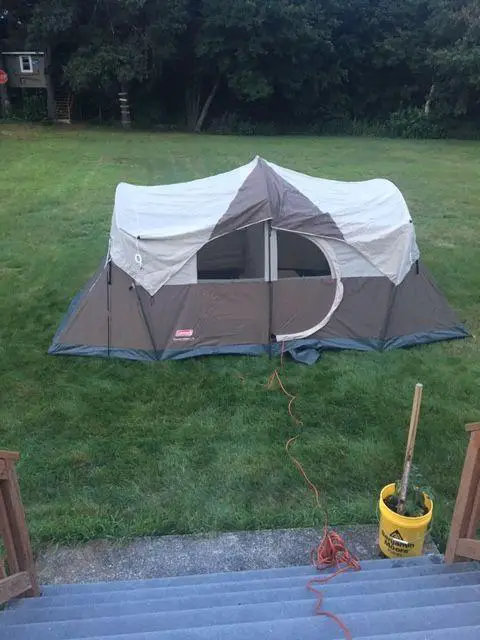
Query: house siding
18, 79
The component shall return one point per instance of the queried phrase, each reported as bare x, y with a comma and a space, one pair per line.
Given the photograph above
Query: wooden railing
462, 542
18, 577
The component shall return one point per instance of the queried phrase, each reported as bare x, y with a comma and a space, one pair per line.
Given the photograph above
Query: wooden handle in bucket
412, 434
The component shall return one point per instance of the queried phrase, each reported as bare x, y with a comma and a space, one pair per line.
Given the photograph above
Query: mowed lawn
115, 448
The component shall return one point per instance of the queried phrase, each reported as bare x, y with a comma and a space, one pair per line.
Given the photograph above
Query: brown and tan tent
254, 260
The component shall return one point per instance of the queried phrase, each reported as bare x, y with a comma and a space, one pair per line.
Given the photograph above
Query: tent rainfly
253, 261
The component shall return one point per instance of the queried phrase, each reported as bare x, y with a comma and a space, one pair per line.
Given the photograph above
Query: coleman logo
183, 334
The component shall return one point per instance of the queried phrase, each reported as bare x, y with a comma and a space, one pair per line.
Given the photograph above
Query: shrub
227, 124
346, 126
234, 124
413, 123
34, 107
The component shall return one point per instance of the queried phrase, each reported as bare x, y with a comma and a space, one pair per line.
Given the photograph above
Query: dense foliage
413, 66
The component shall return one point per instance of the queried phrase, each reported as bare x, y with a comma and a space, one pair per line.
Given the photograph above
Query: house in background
28, 71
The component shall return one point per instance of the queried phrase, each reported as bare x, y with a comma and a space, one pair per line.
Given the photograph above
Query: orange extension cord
332, 551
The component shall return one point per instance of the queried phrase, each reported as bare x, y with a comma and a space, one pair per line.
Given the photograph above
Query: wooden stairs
63, 107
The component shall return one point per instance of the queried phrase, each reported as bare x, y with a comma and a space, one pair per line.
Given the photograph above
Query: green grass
114, 448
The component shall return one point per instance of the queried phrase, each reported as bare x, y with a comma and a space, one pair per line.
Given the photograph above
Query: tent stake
412, 434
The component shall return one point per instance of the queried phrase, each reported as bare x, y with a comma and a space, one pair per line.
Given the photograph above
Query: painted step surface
414, 599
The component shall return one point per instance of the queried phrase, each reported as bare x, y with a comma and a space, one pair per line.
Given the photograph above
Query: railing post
466, 514
13, 526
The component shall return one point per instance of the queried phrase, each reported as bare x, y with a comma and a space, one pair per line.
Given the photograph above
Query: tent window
236, 256
299, 257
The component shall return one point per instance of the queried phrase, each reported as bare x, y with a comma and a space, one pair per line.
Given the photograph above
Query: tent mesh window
236, 256
299, 257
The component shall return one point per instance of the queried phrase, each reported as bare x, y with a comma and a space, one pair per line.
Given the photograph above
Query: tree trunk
428, 100
192, 105
51, 103
206, 106
5, 101
124, 106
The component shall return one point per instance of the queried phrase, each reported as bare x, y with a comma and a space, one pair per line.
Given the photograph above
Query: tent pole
109, 305
386, 324
270, 292
145, 320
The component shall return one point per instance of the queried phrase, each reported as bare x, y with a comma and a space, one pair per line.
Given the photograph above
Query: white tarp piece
157, 230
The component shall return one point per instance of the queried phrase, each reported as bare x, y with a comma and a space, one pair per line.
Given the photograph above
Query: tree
455, 55
254, 48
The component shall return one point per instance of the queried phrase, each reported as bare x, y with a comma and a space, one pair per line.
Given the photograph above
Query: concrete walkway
166, 556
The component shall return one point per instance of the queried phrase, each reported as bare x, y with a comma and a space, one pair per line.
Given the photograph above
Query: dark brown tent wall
420, 313
375, 314
113, 317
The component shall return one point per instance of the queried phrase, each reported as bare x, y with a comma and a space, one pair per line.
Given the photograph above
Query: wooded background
404, 67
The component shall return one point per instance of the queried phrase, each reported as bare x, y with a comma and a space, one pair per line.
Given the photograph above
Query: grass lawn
114, 448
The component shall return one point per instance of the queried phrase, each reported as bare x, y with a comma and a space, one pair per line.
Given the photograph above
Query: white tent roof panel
166, 211
157, 230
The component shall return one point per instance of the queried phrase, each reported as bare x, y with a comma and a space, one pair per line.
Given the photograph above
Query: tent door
306, 288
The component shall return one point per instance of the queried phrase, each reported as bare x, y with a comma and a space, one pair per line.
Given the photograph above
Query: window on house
26, 65
236, 256
299, 257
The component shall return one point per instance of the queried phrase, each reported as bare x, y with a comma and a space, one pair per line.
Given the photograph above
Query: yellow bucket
402, 536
